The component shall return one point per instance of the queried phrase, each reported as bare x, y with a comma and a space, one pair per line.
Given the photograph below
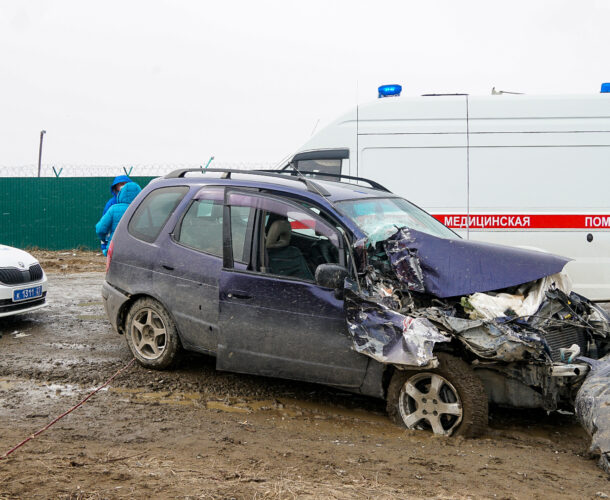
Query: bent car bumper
113, 301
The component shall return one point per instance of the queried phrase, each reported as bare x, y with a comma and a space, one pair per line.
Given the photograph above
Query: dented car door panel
188, 282
285, 328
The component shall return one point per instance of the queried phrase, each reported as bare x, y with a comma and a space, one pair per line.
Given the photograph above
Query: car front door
274, 319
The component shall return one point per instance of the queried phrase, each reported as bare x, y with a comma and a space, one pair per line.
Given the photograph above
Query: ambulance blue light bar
389, 90
605, 88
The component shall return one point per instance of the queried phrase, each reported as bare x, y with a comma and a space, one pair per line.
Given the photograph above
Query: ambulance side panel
547, 160
417, 149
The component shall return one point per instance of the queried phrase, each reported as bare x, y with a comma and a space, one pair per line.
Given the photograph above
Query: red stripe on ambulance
523, 221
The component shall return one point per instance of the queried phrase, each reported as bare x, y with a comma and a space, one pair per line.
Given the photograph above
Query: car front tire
449, 400
152, 335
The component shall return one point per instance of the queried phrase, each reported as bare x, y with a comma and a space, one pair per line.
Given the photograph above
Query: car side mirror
331, 276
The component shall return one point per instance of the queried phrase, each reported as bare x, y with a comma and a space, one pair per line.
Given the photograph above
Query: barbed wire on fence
79, 170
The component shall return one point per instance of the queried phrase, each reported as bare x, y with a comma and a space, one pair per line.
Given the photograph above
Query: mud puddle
43, 398
39, 388
281, 408
294, 409
171, 398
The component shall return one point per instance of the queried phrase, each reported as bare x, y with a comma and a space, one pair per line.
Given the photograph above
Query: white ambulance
529, 171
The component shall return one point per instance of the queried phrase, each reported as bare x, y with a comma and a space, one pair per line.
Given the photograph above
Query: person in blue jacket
110, 220
118, 182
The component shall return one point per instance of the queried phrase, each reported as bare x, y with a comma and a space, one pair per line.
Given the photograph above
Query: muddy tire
449, 400
151, 335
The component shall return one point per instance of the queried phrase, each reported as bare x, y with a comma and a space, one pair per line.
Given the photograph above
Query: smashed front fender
388, 336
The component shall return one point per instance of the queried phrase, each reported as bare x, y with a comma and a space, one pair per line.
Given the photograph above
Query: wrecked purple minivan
315, 277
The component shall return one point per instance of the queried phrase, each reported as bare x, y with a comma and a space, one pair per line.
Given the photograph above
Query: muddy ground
69, 261
198, 433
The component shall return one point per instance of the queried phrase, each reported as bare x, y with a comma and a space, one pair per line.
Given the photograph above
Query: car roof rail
226, 174
372, 183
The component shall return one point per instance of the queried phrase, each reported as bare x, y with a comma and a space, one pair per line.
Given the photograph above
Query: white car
23, 283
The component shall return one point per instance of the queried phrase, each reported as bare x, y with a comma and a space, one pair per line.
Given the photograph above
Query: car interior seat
284, 259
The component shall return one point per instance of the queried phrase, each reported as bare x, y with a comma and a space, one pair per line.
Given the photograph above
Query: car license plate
27, 293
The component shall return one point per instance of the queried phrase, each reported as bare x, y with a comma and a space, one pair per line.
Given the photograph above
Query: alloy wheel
149, 334
430, 401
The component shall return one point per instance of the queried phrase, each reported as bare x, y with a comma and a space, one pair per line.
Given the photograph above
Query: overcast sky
166, 82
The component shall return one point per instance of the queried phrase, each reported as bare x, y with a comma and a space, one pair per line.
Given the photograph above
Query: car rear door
187, 270
281, 326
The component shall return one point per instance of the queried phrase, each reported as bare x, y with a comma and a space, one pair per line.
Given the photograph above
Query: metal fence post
42, 133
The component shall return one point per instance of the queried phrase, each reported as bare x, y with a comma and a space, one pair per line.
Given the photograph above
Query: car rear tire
151, 334
449, 400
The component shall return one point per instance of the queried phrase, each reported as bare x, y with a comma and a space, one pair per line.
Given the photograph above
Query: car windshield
380, 217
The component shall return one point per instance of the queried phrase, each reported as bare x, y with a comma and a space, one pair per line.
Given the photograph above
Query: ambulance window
322, 166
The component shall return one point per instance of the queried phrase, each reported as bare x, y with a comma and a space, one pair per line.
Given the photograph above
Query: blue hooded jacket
117, 180
110, 220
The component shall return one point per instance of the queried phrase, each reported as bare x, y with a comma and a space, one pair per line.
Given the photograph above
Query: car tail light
109, 255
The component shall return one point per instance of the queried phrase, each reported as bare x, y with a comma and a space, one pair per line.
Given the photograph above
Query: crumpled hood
450, 268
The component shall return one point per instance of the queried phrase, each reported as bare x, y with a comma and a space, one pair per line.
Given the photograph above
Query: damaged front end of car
509, 313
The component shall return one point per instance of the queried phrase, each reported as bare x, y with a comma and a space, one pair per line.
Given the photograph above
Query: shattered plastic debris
598, 319
415, 275
379, 316
486, 306
593, 409
388, 336
492, 340
525, 304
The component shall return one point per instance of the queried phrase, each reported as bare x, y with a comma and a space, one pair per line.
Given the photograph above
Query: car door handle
238, 295
169, 268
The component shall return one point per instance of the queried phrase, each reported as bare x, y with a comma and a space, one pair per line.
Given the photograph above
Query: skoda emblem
21, 264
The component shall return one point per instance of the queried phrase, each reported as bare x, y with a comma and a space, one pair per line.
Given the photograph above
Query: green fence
53, 213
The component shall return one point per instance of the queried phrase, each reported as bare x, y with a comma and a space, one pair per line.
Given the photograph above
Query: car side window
293, 247
289, 240
154, 211
201, 226
241, 232
298, 228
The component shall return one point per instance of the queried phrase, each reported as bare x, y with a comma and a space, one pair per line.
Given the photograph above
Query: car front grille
7, 305
564, 337
35, 272
13, 276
